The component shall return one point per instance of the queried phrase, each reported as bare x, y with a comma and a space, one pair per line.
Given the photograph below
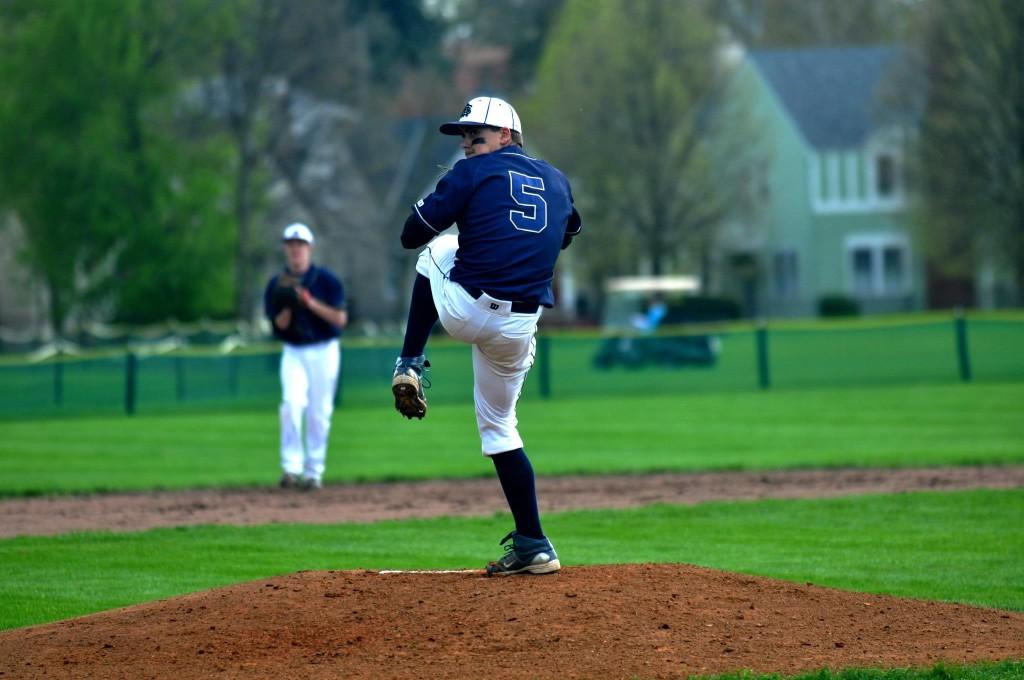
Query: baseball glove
285, 293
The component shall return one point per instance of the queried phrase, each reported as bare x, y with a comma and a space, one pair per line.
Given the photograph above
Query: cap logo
466, 111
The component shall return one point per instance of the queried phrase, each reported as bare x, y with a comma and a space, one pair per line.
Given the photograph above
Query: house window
885, 176
879, 266
785, 273
863, 274
893, 268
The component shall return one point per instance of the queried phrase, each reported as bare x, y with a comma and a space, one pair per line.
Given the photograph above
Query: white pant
309, 377
503, 345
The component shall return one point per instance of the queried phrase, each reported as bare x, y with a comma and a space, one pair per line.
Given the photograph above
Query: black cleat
524, 555
407, 386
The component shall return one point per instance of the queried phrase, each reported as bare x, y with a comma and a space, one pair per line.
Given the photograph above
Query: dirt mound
629, 621
482, 497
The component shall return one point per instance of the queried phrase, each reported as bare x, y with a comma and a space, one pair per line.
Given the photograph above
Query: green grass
1007, 670
884, 426
964, 546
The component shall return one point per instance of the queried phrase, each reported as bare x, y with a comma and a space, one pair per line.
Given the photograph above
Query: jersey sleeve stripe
424, 220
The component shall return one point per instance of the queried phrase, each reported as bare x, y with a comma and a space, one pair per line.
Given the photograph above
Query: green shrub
701, 308
838, 305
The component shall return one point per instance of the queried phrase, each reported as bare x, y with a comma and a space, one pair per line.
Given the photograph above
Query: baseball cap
485, 111
297, 232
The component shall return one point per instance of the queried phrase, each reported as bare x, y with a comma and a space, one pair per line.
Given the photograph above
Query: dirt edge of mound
625, 621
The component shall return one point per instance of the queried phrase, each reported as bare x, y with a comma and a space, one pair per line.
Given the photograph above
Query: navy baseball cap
485, 111
297, 232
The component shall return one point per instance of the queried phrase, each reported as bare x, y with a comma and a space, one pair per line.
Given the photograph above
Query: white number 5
526, 192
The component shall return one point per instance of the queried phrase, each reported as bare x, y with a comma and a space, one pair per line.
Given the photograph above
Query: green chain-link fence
783, 356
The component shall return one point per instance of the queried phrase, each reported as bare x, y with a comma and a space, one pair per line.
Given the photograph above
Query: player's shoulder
464, 171
475, 169
517, 154
318, 276
517, 157
542, 168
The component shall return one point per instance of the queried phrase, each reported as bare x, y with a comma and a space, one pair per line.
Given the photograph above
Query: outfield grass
953, 424
961, 546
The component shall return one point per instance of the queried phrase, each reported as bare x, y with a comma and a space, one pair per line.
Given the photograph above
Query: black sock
422, 316
517, 481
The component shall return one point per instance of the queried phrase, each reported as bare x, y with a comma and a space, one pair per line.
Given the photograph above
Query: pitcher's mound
623, 621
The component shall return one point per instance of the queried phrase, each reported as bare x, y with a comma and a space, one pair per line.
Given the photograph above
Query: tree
633, 101
799, 23
86, 169
970, 151
350, 52
487, 22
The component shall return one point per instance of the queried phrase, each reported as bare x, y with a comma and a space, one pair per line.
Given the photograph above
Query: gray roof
829, 92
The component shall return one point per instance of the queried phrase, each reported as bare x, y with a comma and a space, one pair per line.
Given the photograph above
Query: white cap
485, 111
297, 232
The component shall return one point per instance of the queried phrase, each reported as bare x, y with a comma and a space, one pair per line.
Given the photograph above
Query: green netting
177, 380
576, 366
94, 384
863, 356
819, 355
996, 349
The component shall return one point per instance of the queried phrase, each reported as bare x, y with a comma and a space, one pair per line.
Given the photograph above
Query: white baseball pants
503, 343
309, 378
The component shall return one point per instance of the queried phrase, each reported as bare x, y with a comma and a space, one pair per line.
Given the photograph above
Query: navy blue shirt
513, 214
306, 327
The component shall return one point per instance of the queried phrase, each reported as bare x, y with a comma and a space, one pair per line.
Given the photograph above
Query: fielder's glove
285, 293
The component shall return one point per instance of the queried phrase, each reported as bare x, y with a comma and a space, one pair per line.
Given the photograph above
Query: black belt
517, 307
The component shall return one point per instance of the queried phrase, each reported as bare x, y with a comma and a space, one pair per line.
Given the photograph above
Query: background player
305, 304
487, 286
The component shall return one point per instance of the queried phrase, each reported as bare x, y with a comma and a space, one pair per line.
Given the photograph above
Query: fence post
179, 377
233, 374
544, 359
129, 383
58, 383
963, 356
763, 374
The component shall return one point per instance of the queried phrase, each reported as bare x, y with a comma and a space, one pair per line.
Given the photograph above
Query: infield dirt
457, 498
622, 621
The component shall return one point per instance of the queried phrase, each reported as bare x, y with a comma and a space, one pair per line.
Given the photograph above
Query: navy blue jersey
306, 327
512, 213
